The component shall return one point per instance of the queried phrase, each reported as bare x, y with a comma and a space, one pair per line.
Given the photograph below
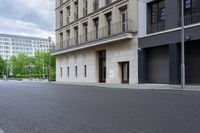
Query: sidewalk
137, 86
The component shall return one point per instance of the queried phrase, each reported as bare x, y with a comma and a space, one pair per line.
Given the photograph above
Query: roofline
22, 37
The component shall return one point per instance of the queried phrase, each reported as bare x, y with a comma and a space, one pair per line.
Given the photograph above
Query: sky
27, 17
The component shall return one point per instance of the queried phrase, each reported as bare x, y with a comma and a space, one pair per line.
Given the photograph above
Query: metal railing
102, 33
156, 27
192, 18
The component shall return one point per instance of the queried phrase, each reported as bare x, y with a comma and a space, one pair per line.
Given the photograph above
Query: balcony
192, 18
117, 31
156, 27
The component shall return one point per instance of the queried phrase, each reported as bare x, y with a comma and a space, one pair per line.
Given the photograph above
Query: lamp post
182, 46
49, 59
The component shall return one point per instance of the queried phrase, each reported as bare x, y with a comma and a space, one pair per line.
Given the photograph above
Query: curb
137, 86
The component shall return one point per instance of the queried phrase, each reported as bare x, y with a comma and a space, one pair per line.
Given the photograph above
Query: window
85, 71
96, 26
156, 21
162, 14
76, 35
188, 4
85, 8
61, 71
61, 2
76, 71
96, 5
61, 19
85, 30
68, 37
109, 22
61, 40
68, 71
68, 14
107, 2
76, 10
124, 18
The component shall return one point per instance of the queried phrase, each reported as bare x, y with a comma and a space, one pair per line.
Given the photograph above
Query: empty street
53, 108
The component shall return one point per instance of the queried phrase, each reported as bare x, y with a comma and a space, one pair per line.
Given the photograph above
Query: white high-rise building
14, 44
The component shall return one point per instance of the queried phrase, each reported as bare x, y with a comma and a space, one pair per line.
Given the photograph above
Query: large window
76, 35
68, 37
109, 23
124, 18
61, 2
61, 19
85, 8
76, 15
85, 30
68, 14
156, 19
107, 2
96, 26
96, 5
61, 40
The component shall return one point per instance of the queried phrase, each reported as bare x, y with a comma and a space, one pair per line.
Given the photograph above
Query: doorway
102, 66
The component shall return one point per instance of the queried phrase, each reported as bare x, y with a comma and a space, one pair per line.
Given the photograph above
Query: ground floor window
67, 71
76, 71
61, 72
85, 71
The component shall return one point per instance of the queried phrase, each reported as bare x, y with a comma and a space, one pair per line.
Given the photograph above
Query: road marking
1, 131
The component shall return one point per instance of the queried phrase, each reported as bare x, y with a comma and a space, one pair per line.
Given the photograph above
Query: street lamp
49, 59
182, 46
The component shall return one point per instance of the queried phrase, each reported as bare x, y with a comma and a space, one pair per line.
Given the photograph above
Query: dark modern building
159, 50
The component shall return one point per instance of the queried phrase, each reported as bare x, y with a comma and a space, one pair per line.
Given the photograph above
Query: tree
2, 66
40, 62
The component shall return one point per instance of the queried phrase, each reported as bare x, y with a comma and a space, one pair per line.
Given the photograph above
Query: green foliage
18, 65
2, 66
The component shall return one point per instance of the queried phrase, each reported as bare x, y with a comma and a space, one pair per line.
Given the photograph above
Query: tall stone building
97, 41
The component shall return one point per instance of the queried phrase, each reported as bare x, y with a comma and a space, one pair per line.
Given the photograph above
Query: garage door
192, 63
158, 65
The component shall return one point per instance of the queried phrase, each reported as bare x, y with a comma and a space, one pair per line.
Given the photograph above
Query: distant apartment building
14, 44
160, 41
97, 41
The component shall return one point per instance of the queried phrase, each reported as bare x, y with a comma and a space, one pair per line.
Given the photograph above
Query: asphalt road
45, 108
